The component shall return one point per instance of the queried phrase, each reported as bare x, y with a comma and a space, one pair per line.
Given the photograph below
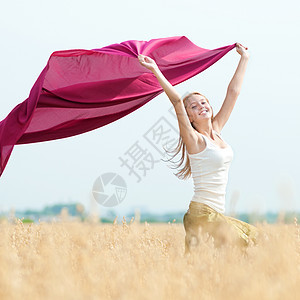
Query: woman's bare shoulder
198, 145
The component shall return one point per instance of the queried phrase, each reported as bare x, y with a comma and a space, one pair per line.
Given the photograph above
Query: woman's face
198, 108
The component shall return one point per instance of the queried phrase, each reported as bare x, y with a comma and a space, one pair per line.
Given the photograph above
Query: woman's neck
205, 128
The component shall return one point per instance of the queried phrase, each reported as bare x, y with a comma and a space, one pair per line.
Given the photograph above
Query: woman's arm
151, 65
233, 90
187, 132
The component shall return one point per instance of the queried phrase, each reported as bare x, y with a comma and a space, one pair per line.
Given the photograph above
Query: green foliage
27, 221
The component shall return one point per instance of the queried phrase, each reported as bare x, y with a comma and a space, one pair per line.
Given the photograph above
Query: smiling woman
197, 105
208, 158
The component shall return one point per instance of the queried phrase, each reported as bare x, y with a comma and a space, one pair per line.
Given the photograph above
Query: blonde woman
208, 158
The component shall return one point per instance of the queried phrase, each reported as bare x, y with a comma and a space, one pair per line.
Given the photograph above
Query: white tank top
210, 174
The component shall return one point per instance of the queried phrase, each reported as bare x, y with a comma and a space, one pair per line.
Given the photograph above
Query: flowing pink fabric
81, 90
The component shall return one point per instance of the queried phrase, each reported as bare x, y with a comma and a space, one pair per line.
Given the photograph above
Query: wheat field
80, 260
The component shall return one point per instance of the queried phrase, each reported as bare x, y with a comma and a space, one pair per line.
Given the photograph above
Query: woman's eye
194, 106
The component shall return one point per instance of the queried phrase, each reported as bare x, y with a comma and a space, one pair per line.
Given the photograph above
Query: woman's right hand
147, 62
240, 49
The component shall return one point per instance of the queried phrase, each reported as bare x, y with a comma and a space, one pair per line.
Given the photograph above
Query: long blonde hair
185, 171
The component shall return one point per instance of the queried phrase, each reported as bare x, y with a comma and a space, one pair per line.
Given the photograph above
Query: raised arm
233, 90
187, 132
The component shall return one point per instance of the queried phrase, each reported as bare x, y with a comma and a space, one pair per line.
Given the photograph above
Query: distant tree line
77, 210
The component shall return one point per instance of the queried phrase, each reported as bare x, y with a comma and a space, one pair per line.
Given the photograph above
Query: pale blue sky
264, 128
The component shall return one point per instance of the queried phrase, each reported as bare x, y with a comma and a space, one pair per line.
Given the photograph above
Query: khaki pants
201, 219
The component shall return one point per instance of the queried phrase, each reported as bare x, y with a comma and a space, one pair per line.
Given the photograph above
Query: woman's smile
204, 111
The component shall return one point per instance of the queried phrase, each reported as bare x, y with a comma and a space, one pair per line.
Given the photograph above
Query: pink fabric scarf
81, 90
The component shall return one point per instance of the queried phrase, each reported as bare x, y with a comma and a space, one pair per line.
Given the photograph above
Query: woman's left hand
240, 49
